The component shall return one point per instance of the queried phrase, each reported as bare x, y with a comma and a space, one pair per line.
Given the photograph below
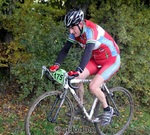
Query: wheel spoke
41, 109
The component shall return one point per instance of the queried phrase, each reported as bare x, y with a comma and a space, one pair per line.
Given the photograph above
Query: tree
39, 33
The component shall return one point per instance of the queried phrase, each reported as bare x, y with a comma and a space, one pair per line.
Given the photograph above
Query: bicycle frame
67, 84
72, 91
62, 96
103, 86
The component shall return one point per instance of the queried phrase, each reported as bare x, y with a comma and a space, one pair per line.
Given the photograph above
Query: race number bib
59, 76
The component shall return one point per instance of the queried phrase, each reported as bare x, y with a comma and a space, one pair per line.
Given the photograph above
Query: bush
42, 39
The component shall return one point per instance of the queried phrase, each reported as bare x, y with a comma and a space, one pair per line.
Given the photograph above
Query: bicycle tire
124, 102
36, 122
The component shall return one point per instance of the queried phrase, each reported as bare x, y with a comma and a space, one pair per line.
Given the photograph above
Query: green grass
12, 115
140, 124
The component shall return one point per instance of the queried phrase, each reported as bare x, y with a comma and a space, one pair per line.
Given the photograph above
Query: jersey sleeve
71, 38
86, 55
63, 52
90, 36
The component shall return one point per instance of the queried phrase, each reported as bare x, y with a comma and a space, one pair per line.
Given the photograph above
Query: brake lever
43, 70
42, 73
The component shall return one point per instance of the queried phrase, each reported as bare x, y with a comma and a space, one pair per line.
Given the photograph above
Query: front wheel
124, 103
40, 119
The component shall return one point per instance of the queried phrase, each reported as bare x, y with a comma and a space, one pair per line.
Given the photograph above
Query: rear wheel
39, 120
124, 103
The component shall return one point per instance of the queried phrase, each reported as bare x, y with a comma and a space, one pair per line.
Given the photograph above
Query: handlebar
69, 80
49, 76
44, 69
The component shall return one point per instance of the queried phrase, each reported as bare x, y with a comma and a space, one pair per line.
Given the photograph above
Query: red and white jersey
93, 33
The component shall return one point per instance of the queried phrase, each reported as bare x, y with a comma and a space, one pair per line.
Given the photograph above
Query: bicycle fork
60, 98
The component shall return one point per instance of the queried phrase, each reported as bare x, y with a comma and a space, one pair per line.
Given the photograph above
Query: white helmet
73, 17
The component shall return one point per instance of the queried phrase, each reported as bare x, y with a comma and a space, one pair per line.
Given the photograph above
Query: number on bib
59, 75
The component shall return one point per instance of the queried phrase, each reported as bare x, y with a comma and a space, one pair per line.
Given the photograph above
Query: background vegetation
32, 33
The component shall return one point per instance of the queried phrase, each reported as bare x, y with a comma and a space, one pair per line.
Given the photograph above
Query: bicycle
47, 114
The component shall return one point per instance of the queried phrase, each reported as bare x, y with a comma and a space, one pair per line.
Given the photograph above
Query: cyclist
100, 49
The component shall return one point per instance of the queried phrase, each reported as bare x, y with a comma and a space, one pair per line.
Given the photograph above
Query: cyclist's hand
73, 73
54, 68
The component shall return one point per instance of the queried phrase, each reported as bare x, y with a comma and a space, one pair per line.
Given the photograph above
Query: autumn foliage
37, 34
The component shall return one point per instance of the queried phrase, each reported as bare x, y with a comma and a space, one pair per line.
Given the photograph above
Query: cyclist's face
75, 30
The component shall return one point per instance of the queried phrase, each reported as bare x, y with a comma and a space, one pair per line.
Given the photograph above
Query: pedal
96, 120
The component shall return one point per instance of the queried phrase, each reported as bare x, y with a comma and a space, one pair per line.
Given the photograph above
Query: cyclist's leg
83, 75
95, 84
91, 68
108, 69
95, 89
80, 91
